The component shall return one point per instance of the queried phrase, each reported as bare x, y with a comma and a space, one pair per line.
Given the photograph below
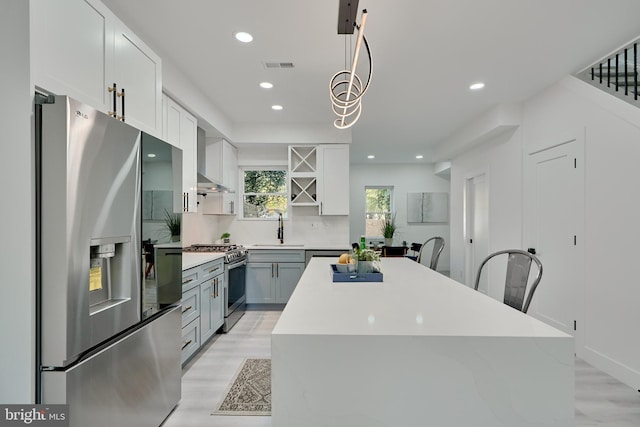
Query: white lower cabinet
272, 275
202, 305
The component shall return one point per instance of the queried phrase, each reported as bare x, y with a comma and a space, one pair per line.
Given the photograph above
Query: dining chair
394, 251
438, 246
149, 257
518, 270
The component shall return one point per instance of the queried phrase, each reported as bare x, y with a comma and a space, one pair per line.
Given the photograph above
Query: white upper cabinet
171, 122
189, 143
138, 70
303, 175
72, 45
320, 177
333, 164
80, 49
222, 163
180, 129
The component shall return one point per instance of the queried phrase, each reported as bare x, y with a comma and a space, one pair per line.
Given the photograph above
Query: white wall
608, 314
405, 178
608, 329
17, 325
304, 225
501, 161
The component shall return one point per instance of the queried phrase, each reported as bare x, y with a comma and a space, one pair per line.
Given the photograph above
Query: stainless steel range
235, 270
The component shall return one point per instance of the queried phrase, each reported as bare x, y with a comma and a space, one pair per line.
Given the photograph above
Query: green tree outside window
264, 193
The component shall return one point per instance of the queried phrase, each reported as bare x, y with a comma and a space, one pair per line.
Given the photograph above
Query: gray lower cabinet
272, 275
211, 314
202, 305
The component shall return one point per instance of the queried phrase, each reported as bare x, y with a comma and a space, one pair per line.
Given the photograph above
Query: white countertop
301, 246
412, 300
194, 259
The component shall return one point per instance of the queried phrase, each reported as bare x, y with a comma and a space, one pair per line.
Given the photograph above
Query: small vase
388, 241
365, 267
175, 237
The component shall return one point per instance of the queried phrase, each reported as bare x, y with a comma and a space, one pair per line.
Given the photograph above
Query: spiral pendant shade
346, 88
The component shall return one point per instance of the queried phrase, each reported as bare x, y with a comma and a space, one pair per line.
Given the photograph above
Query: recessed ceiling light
419, 156
243, 37
371, 156
276, 107
476, 86
266, 85
151, 155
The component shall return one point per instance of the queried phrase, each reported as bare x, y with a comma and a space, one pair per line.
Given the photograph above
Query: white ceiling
425, 55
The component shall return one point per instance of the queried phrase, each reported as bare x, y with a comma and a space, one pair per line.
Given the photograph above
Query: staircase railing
616, 74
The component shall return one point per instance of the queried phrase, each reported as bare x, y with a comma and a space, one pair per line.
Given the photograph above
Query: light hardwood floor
600, 399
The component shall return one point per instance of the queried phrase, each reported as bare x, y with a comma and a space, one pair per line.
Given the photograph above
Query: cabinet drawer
190, 305
190, 278
190, 340
211, 269
277, 255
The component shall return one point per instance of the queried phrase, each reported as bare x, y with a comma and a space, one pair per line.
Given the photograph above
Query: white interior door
555, 183
477, 228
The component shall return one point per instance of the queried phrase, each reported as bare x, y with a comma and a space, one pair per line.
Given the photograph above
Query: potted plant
388, 229
225, 238
366, 260
173, 223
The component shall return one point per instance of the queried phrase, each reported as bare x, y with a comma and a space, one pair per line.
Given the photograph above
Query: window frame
366, 212
242, 170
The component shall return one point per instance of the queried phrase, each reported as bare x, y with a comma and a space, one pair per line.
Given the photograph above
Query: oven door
235, 286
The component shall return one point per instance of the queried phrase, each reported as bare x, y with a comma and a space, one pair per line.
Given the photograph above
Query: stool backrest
517, 277
438, 246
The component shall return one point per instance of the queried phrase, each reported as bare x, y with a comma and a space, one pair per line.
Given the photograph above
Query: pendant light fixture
346, 88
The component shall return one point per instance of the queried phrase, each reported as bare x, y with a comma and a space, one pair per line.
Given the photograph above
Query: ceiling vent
278, 64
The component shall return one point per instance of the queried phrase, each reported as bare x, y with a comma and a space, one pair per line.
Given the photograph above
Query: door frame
470, 272
577, 135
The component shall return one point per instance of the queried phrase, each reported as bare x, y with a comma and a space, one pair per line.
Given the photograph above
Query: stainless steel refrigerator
96, 353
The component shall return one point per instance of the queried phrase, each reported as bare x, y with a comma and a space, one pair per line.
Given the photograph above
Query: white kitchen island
418, 349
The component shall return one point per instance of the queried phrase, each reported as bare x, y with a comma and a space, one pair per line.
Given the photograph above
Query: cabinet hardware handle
187, 308
121, 94
186, 344
113, 90
214, 269
272, 270
320, 208
277, 270
187, 281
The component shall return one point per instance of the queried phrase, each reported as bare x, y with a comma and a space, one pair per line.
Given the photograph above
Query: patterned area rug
250, 390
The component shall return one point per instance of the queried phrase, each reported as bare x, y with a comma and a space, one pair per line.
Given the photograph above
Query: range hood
206, 184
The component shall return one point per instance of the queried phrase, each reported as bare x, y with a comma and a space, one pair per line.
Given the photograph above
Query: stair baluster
626, 74
635, 71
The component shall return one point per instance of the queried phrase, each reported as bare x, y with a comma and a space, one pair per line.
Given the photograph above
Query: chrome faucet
280, 228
